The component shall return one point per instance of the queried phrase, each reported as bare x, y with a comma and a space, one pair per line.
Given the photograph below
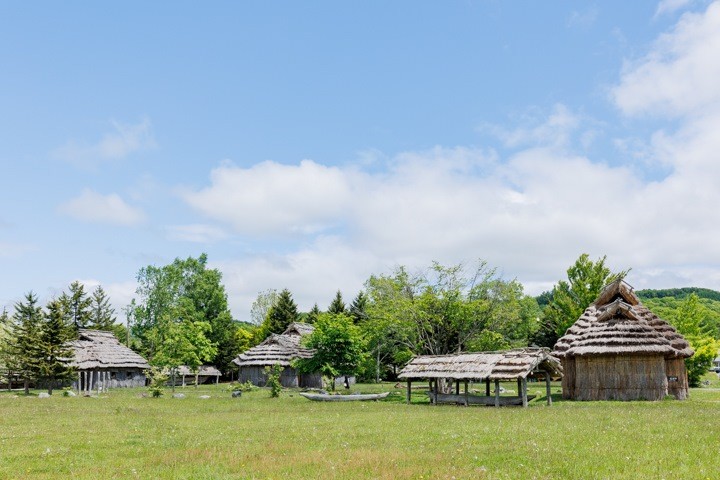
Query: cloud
275, 199
94, 207
678, 77
668, 7
196, 233
118, 144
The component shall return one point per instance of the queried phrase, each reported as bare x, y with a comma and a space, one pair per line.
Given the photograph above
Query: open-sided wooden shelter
510, 365
620, 350
103, 362
279, 349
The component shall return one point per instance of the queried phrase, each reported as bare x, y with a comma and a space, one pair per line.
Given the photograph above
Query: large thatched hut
103, 362
515, 365
620, 350
280, 350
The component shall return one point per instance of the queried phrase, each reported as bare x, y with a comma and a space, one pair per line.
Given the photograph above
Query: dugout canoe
323, 397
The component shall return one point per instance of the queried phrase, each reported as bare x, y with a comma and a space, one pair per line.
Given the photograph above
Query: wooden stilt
487, 387
466, 394
519, 387
457, 387
547, 388
524, 392
431, 390
409, 391
497, 393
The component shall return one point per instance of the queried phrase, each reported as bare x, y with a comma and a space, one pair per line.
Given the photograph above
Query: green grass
121, 435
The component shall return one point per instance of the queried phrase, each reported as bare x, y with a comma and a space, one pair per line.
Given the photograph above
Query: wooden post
409, 390
487, 387
524, 392
431, 391
519, 387
435, 391
97, 382
547, 388
466, 394
497, 393
457, 387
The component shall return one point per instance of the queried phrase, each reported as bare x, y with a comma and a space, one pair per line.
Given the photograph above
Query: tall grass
121, 435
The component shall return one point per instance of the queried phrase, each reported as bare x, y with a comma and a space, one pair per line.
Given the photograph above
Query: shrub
273, 379
158, 381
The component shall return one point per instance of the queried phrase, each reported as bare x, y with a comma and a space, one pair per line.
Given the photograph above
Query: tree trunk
377, 367
173, 379
196, 379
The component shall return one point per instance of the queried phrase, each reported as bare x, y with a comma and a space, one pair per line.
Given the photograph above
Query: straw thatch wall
619, 350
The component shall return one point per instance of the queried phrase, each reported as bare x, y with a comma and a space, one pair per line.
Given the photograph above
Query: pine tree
5, 336
282, 314
77, 305
337, 306
102, 315
24, 352
357, 308
54, 350
313, 314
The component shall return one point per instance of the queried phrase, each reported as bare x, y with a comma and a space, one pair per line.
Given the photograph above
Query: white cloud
679, 76
118, 144
196, 233
94, 207
667, 7
270, 198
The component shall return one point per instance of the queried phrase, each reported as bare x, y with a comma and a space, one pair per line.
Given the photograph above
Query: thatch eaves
276, 349
97, 349
299, 328
615, 290
505, 365
204, 370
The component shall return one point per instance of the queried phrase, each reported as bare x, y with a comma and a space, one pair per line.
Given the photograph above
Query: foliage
23, 349
338, 347
664, 307
262, 305
53, 350
102, 315
337, 306
242, 387
244, 335
312, 315
680, 293
585, 281
158, 380
161, 290
358, 308
280, 315
273, 379
76, 305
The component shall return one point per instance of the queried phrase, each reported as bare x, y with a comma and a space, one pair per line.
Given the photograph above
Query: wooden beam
547, 388
497, 393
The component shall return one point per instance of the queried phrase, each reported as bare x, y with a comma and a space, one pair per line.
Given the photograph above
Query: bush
273, 380
242, 387
158, 380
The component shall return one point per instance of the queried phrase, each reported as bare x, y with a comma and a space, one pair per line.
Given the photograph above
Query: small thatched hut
279, 349
619, 350
518, 364
204, 374
103, 362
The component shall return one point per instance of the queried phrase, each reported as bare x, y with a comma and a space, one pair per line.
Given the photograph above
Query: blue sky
308, 145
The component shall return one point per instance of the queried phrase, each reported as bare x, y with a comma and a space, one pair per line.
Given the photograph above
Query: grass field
121, 435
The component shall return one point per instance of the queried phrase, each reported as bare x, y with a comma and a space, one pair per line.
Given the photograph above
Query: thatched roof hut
103, 362
620, 350
517, 364
278, 349
203, 374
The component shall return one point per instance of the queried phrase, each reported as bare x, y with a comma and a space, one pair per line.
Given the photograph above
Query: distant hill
679, 293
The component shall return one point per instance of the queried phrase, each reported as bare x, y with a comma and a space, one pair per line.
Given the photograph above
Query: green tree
262, 305
76, 305
688, 319
585, 281
280, 315
337, 306
161, 289
358, 308
338, 347
101, 314
5, 336
182, 336
53, 348
24, 347
313, 314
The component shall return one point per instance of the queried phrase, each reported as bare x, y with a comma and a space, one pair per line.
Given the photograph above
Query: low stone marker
43, 395
237, 394
178, 395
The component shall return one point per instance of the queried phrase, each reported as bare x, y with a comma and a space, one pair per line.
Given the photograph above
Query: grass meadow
123, 435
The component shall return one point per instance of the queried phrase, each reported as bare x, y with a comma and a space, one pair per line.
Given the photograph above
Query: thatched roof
204, 370
278, 349
618, 324
97, 349
505, 365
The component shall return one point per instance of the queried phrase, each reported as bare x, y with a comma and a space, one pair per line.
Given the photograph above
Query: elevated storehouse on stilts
511, 365
620, 350
102, 362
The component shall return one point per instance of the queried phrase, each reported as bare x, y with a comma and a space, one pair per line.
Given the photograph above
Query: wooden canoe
322, 397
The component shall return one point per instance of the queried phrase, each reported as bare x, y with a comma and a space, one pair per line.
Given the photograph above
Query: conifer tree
282, 314
357, 308
5, 338
102, 315
24, 352
337, 306
313, 314
53, 347
76, 305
